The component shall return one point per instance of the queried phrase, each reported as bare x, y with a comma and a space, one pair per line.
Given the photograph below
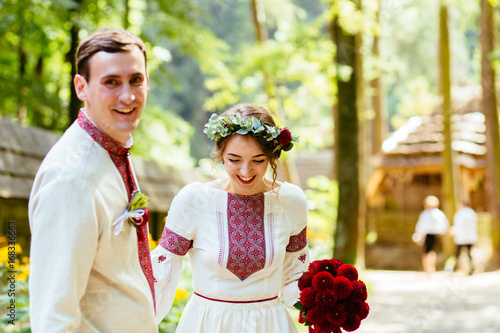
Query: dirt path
414, 302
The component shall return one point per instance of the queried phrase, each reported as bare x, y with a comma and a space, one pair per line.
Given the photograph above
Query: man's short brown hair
110, 40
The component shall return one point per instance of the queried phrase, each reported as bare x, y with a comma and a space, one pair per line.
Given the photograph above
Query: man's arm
64, 232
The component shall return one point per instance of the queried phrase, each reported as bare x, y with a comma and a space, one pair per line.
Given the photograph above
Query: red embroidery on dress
303, 258
247, 246
270, 220
297, 242
161, 258
119, 156
219, 200
174, 243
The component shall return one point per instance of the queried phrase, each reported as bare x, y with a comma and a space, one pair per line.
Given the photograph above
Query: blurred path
414, 302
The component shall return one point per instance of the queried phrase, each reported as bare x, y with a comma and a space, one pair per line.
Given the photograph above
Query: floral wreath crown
219, 127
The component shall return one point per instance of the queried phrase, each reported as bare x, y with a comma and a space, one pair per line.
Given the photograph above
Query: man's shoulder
75, 159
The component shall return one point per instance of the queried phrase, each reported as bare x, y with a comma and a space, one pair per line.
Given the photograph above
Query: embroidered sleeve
175, 243
297, 242
167, 268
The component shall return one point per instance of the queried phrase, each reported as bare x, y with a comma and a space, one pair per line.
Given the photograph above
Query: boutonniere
134, 213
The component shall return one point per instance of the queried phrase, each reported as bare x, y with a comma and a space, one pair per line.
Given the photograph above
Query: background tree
379, 123
347, 137
449, 158
490, 109
74, 9
203, 56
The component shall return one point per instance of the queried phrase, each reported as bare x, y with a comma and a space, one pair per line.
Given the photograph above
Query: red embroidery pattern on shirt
161, 258
119, 155
247, 246
174, 243
303, 258
117, 152
297, 242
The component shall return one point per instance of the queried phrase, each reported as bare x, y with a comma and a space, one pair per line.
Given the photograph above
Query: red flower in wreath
284, 138
332, 298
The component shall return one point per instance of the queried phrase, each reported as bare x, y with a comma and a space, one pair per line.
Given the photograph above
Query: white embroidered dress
246, 254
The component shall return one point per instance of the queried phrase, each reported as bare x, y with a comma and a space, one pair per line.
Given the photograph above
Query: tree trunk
489, 105
287, 169
449, 171
74, 103
259, 19
126, 11
363, 149
379, 124
346, 234
21, 103
259, 22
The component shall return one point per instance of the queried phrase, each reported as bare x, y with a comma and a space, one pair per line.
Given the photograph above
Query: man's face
116, 92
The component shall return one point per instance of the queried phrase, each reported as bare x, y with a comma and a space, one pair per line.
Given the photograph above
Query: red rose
351, 323
307, 297
305, 280
337, 262
342, 287
365, 310
349, 271
316, 315
284, 138
336, 314
324, 265
359, 290
326, 326
353, 307
322, 281
326, 299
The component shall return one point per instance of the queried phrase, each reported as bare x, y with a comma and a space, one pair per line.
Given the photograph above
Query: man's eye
137, 80
110, 82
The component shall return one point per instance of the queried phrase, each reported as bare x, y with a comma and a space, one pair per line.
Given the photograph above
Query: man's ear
80, 87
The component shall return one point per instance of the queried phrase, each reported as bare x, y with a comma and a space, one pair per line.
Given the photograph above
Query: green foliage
21, 321
14, 299
322, 196
203, 56
33, 77
409, 53
164, 137
291, 73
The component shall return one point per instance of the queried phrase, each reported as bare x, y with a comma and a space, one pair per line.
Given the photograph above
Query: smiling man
87, 275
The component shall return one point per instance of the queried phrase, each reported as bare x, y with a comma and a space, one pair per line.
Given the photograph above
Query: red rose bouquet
332, 297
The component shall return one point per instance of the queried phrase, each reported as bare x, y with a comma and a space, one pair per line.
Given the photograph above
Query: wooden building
410, 168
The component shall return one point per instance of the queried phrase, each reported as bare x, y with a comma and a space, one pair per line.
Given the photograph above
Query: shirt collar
104, 140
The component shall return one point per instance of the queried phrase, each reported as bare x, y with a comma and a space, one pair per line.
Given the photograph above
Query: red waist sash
240, 302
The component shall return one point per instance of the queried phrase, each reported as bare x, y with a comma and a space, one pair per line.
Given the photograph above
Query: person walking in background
464, 231
431, 223
88, 274
245, 234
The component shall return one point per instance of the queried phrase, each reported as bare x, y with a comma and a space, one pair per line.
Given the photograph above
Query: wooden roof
420, 142
22, 150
